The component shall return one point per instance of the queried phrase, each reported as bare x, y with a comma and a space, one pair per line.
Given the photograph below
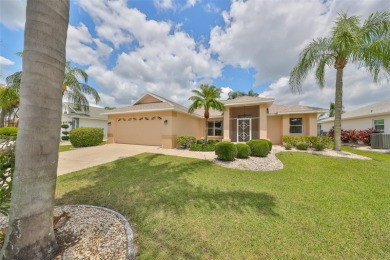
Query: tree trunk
338, 109
30, 233
205, 131
2, 117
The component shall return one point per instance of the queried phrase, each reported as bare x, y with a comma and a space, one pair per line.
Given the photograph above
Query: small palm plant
365, 44
206, 98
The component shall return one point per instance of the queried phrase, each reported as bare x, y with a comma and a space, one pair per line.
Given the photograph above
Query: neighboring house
375, 116
154, 120
76, 118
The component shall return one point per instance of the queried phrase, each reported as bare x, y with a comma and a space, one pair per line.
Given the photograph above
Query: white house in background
75, 118
375, 116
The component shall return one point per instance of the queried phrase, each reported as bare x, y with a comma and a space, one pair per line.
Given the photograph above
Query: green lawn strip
316, 207
65, 148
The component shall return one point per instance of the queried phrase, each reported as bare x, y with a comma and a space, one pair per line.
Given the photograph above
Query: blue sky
169, 47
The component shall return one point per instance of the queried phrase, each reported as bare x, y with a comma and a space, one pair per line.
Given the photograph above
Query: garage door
140, 130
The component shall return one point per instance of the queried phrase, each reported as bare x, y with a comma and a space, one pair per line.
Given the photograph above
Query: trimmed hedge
226, 151
259, 148
9, 131
311, 141
287, 146
269, 144
212, 141
319, 147
243, 151
86, 136
202, 147
65, 138
302, 146
65, 126
185, 141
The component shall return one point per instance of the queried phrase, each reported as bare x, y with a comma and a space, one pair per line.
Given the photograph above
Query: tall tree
206, 98
331, 109
236, 94
30, 232
365, 44
73, 89
9, 102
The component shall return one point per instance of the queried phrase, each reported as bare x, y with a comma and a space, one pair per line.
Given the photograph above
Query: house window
214, 128
296, 125
379, 125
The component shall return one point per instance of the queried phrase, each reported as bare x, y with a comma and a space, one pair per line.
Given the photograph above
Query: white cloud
225, 92
158, 56
13, 13
190, 3
269, 35
164, 4
211, 8
5, 62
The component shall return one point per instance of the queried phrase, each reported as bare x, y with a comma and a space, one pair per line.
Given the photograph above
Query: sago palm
206, 98
365, 44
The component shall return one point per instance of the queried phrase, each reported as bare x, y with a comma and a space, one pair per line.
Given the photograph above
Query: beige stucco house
154, 120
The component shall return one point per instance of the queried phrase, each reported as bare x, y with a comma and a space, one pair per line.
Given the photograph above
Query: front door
244, 129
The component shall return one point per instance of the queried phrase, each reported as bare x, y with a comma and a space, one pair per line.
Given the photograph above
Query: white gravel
272, 163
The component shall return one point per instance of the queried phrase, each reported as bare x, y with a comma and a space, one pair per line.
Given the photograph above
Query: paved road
83, 158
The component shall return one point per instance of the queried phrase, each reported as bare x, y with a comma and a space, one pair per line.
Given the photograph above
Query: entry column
226, 125
263, 121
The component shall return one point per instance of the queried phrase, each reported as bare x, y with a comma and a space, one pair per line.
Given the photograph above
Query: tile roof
379, 108
94, 112
287, 109
246, 99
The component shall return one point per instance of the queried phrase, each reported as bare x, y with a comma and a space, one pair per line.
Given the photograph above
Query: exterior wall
254, 111
309, 124
358, 123
86, 122
145, 132
275, 129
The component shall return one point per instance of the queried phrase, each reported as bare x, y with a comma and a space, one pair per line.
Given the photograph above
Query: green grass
180, 208
65, 148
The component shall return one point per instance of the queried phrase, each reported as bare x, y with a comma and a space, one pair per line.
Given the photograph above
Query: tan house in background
154, 120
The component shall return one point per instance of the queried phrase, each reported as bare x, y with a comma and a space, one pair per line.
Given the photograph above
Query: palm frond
86, 89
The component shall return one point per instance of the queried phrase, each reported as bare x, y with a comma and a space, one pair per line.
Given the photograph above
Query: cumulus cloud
225, 92
13, 13
164, 4
5, 62
151, 55
269, 35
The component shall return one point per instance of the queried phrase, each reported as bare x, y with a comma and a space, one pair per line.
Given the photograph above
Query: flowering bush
353, 135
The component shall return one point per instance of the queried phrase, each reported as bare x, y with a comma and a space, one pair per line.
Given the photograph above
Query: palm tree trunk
205, 131
338, 109
30, 232
2, 117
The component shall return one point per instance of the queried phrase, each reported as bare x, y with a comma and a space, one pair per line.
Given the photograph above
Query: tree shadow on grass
141, 186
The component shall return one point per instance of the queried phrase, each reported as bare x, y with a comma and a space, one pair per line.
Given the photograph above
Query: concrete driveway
82, 158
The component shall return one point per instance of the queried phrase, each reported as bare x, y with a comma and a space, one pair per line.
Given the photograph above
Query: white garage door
139, 130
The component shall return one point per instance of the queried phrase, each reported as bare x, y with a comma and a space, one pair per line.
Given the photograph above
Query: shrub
243, 150
353, 135
7, 166
302, 146
65, 126
9, 131
202, 147
65, 138
200, 141
185, 141
226, 151
65, 132
259, 148
212, 141
287, 146
269, 144
319, 147
86, 136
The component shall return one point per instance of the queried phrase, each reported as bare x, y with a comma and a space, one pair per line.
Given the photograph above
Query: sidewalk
83, 158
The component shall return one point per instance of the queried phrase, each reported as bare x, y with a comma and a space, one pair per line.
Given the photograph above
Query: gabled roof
246, 100
376, 109
163, 105
280, 109
93, 113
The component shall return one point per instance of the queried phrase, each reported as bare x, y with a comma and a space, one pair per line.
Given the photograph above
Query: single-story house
75, 118
376, 116
154, 120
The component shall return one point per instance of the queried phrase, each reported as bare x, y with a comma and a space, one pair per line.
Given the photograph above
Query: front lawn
180, 208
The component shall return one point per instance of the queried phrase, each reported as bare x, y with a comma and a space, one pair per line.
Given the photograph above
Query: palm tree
366, 45
72, 88
30, 232
331, 109
236, 94
9, 103
206, 98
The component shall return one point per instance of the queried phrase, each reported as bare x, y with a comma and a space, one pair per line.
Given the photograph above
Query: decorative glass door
244, 129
